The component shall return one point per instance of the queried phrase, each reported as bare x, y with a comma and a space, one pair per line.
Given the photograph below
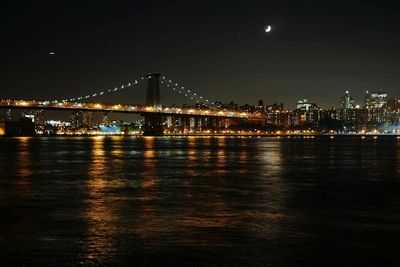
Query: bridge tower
153, 122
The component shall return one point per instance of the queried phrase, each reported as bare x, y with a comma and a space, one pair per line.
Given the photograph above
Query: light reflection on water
24, 160
179, 201
100, 213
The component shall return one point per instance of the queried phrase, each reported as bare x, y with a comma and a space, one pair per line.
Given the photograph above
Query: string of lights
191, 94
104, 92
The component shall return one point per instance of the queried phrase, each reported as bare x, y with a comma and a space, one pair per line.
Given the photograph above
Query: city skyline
199, 133
314, 50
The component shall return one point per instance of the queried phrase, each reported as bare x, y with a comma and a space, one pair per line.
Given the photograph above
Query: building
81, 119
393, 104
305, 105
346, 101
375, 100
23, 127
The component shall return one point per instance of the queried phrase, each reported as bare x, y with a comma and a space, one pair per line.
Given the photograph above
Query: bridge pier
153, 123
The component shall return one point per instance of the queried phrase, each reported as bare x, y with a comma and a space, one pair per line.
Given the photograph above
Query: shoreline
374, 135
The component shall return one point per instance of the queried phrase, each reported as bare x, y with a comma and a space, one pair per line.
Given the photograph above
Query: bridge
156, 116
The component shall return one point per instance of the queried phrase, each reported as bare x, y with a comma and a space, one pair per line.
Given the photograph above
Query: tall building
393, 104
81, 119
375, 100
305, 105
346, 101
23, 127
37, 117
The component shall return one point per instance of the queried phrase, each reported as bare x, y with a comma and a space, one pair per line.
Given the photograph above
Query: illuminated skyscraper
347, 102
375, 100
305, 105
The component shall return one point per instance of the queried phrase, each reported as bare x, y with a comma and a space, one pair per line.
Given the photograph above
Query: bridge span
122, 108
154, 113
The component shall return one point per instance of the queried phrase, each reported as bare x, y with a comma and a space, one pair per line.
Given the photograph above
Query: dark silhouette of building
23, 127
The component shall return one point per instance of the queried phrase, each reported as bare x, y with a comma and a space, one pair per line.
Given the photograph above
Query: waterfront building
81, 119
22, 127
375, 100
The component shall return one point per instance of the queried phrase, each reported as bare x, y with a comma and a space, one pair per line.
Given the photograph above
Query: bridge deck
165, 111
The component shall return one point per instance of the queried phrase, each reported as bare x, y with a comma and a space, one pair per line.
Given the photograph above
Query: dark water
199, 201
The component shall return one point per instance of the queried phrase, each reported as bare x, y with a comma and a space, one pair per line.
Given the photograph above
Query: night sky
219, 48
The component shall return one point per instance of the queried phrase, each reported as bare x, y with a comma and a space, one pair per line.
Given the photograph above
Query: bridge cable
104, 92
186, 92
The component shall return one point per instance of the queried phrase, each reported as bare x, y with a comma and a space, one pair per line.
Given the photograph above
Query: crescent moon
268, 28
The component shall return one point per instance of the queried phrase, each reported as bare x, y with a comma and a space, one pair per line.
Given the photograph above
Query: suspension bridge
156, 116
